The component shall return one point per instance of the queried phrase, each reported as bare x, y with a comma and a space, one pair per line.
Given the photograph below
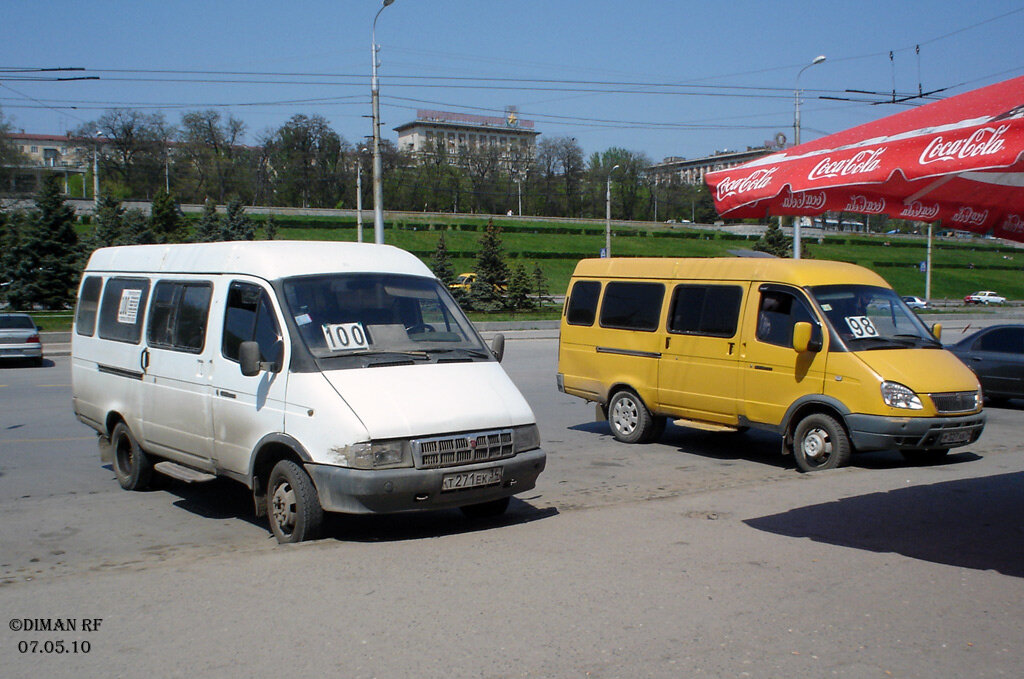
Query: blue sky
675, 78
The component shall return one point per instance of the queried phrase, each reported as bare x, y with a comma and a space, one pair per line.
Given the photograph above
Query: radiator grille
450, 451
955, 401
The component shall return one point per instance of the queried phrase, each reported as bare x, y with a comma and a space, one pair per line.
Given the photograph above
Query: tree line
305, 163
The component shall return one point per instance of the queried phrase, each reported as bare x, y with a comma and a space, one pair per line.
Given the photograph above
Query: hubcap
625, 416
283, 507
816, 444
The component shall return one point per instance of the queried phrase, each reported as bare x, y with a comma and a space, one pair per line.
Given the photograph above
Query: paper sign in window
861, 326
128, 310
345, 336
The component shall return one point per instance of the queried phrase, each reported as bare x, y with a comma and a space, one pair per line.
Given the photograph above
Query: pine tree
540, 285
45, 268
270, 227
487, 293
109, 224
236, 224
207, 229
441, 263
519, 289
165, 218
137, 228
774, 241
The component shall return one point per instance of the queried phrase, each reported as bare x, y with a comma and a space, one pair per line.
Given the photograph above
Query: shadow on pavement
225, 499
971, 523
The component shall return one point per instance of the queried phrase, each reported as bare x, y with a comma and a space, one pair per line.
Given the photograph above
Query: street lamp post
96, 171
359, 199
796, 142
608, 214
378, 199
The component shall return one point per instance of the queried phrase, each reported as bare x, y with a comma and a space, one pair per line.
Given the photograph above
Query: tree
774, 241
109, 224
540, 285
214, 153
135, 141
42, 269
487, 292
306, 156
10, 155
519, 288
137, 228
270, 227
165, 218
441, 263
236, 224
208, 227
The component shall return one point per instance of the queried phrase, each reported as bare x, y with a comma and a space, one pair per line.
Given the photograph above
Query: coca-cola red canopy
959, 160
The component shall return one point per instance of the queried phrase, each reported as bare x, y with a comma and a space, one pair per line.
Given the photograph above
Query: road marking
54, 385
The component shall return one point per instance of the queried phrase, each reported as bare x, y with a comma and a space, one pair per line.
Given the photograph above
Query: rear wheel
132, 466
292, 504
934, 456
630, 420
820, 442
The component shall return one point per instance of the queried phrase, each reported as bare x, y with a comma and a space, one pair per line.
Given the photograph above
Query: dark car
996, 355
19, 338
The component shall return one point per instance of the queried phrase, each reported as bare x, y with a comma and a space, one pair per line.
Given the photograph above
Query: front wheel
292, 504
132, 466
820, 442
630, 420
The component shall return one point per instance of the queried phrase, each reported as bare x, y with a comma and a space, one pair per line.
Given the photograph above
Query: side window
178, 313
777, 314
249, 317
123, 309
712, 310
582, 307
632, 306
1004, 340
88, 305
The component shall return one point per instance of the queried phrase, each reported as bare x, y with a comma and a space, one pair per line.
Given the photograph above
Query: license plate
955, 437
474, 479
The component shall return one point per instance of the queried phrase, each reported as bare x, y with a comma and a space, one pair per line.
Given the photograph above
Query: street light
608, 214
96, 171
378, 199
796, 139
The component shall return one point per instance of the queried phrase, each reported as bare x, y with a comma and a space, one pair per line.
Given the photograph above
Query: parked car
915, 302
996, 355
985, 297
19, 338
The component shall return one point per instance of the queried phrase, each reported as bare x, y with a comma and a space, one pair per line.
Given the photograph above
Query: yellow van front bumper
878, 432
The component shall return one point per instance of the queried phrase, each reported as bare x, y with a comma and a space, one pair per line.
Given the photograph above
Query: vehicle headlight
526, 437
897, 395
374, 455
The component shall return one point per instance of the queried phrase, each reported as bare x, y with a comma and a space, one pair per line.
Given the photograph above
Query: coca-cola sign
755, 181
865, 205
968, 216
920, 212
804, 201
1013, 224
865, 161
982, 142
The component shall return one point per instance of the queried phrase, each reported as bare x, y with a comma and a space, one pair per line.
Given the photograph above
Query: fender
813, 399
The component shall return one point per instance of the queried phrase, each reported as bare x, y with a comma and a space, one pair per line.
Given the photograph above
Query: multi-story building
460, 133
48, 154
680, 170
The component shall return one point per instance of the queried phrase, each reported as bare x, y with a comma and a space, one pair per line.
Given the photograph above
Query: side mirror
249, 358
498, 346
937, 331
802, 334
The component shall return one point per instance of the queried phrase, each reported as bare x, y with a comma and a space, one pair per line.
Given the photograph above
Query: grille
955, 401
449, 451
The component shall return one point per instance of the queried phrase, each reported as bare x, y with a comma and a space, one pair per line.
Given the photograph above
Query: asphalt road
701, 555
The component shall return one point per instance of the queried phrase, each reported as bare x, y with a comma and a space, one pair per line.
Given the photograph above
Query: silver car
19, 338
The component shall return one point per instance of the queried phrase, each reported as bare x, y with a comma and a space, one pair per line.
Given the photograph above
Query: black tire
629, 418
820, 442
486, 510
293, 507
132, 466
934, 456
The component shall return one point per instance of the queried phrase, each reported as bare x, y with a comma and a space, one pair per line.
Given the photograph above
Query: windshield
381, 316
14, 322
868, 317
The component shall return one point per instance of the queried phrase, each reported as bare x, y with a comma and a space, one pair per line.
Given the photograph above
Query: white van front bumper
360, 491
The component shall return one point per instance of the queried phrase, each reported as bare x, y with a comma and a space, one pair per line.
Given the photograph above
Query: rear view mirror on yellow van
802, 333
937, 331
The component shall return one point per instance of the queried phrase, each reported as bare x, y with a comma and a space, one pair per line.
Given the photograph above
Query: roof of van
265, 259
799, 272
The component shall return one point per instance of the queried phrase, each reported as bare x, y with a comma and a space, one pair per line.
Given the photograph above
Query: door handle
144, 360
226, 394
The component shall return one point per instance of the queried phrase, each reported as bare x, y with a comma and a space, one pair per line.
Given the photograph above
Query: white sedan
984, 297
